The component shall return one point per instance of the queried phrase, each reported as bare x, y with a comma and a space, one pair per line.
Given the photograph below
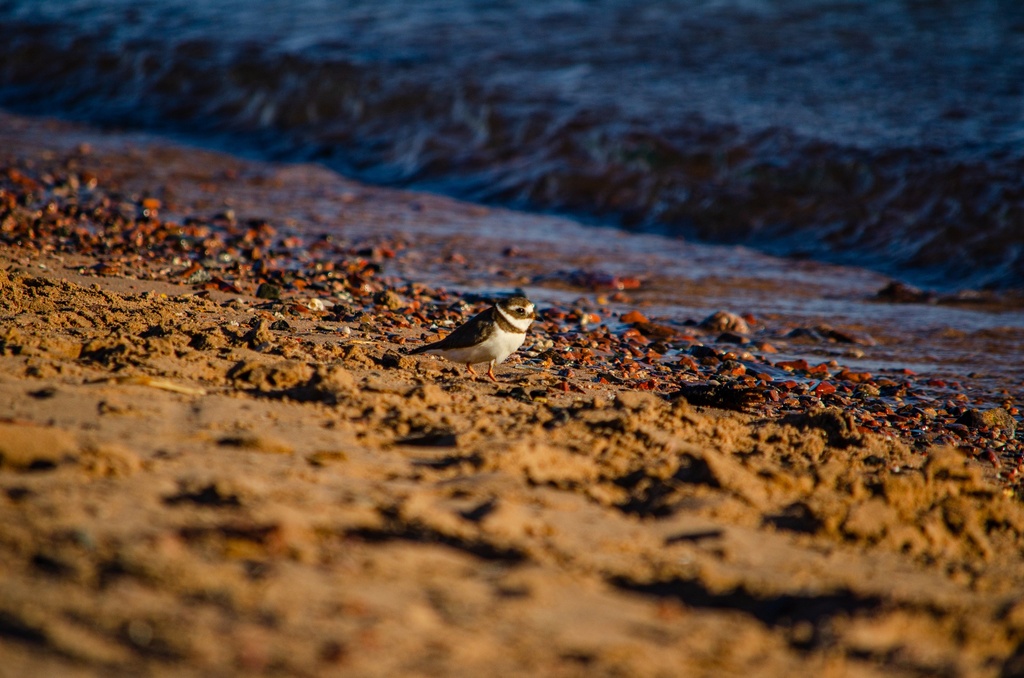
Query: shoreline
808, 326
646, 489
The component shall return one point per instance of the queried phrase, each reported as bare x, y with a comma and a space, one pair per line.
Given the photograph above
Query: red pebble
689, 362
634, 317
793, 365
632, 333
824, 388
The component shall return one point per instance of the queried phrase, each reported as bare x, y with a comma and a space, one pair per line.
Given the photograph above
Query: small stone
197, 275
824, 388
846, 336
268, 291
388, 300
701, 351
804, 334
996, 418
655, 330
634, 317
867, 391
724, 321
901, 293
392, 360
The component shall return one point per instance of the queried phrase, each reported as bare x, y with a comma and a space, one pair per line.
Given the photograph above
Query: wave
550, 135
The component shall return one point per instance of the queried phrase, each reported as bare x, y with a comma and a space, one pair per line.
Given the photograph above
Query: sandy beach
217, 458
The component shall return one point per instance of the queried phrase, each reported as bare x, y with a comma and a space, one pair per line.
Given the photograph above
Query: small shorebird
488, 337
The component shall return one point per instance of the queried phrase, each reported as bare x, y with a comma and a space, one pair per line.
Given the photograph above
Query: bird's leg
470, 368
490, 371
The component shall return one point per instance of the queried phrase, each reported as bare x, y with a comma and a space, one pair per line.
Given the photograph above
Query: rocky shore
216, 457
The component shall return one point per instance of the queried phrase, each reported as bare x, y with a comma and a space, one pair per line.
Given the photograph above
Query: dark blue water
885, 134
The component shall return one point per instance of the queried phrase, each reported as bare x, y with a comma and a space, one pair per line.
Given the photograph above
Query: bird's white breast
496, 347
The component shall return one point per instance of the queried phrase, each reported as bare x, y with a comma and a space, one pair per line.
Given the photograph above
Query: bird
488, 337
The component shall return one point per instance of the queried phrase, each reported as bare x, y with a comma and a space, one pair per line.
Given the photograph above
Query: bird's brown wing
472, 332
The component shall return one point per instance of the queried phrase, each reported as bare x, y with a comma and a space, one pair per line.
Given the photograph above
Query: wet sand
196, 480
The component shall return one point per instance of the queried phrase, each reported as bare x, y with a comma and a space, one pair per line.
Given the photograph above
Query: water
885, 134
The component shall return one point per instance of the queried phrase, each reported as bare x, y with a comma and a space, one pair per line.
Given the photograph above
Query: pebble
725, 321
298, 274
